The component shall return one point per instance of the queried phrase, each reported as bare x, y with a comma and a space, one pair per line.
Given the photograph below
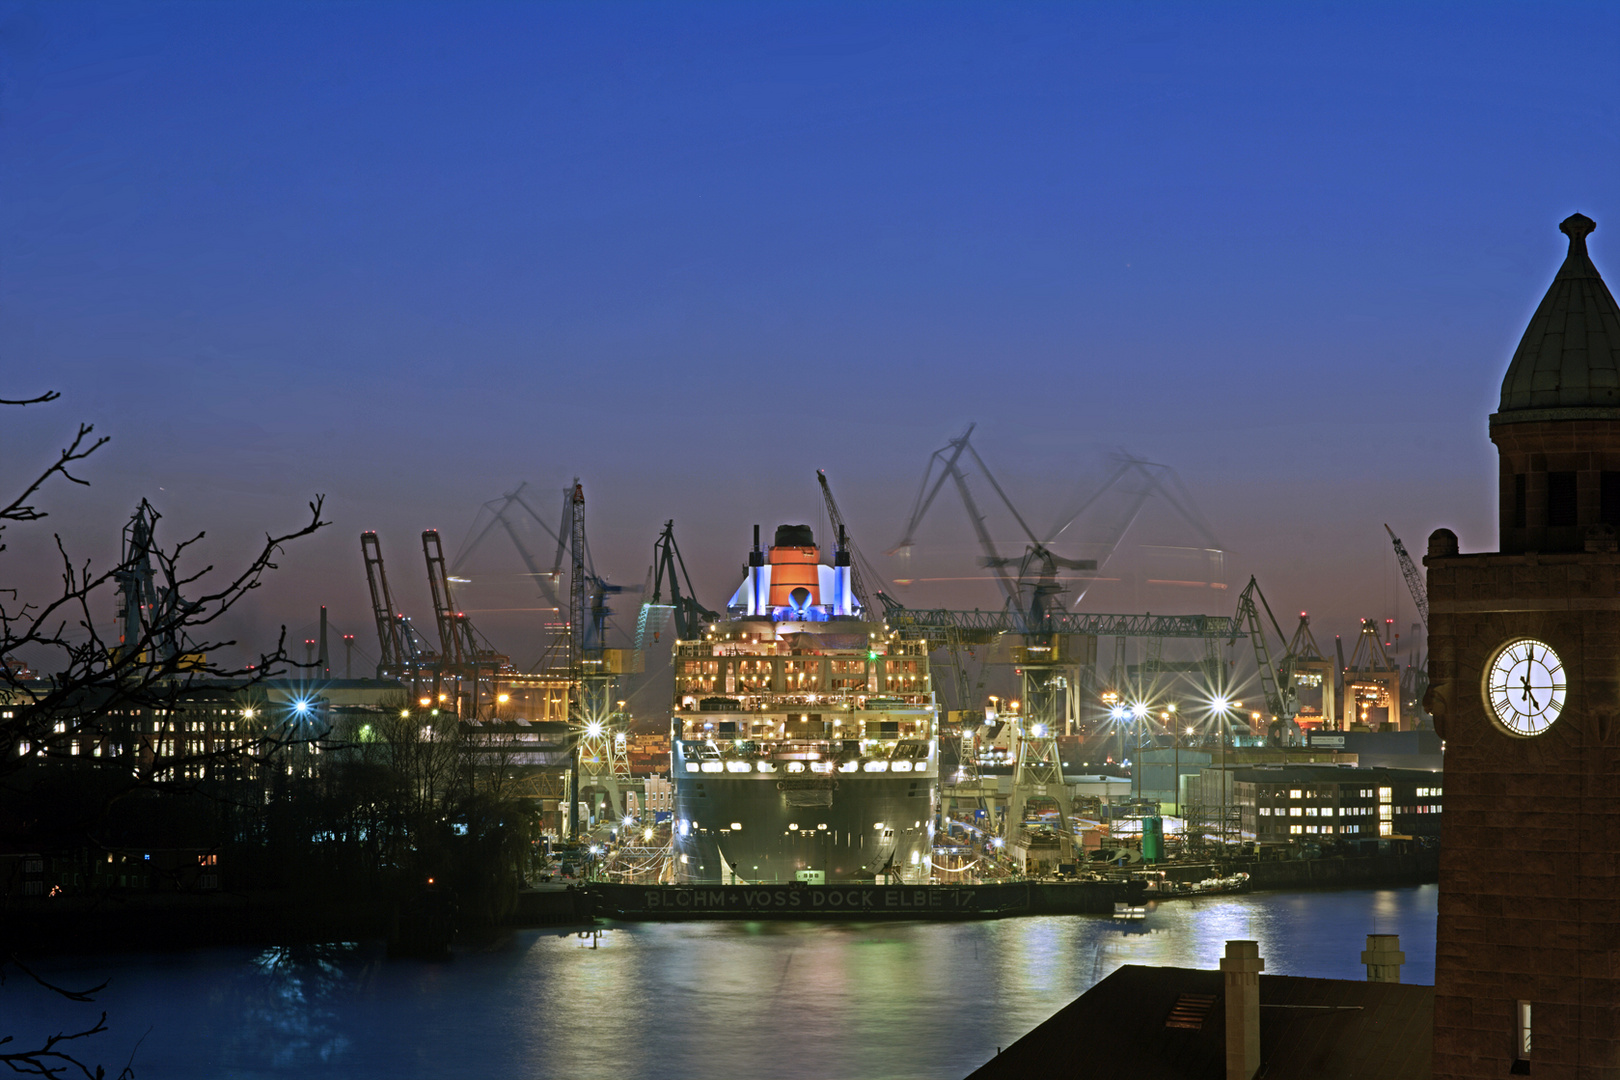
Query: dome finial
1577, 227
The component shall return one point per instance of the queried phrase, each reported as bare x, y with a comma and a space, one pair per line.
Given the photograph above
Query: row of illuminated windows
1323, 830
1317, 811
1383, 793
763, 673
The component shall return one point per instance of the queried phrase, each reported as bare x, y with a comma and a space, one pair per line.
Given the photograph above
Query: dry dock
858, 901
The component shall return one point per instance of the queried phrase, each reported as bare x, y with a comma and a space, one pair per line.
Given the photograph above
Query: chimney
326, 657
1242, 966
1383, 958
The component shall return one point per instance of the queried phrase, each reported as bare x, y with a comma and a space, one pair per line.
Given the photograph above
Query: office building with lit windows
1291, 803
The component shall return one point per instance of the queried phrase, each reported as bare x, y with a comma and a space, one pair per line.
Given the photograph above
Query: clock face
1525, 687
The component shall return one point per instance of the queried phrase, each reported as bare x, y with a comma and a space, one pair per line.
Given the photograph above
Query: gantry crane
456, 644
391, 648
404, 654
472, 666
1371, 679
1307, 665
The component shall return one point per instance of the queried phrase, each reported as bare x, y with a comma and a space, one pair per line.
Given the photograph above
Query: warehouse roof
1159, 1023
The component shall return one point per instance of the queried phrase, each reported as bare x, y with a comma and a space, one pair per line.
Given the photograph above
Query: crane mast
578, 589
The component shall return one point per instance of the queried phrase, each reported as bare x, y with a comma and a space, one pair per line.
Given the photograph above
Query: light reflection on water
667, 1000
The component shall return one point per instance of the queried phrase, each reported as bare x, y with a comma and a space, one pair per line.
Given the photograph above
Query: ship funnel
794, 568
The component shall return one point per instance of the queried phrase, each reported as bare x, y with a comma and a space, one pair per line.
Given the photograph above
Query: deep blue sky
408, 255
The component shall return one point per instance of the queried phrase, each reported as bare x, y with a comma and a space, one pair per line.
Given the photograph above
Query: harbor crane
1032, 589
1282, 701
403, 653
1045, 659
603, 759
860, 570
1033, 592
149, 614
391, 649
509, 512
456, 642
473, 664
1308, 666
689, 615
1413, 576
1415, 681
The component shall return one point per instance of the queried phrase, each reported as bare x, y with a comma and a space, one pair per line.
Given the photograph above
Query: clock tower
1524, 669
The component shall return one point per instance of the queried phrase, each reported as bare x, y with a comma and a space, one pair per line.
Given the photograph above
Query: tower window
1609, 499
1520, 500
1521, 1038
1560, 498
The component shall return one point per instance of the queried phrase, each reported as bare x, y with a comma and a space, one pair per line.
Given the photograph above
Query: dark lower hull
848, 828
665, 902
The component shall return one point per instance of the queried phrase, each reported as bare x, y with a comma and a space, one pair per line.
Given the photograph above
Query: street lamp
1139, 712
1222, 707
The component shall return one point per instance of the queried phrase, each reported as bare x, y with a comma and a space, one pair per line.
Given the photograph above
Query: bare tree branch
19, 508
93, 685
49, 395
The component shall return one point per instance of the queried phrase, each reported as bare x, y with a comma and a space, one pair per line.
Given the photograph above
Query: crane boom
1414, 579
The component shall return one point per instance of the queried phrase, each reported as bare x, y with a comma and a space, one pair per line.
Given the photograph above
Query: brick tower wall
1530, 845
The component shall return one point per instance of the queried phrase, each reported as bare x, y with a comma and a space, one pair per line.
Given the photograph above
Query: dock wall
1413, 868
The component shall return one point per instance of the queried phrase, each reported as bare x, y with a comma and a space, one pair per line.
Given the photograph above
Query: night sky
410, 255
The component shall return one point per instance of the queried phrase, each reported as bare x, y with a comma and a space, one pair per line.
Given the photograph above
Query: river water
674, 1000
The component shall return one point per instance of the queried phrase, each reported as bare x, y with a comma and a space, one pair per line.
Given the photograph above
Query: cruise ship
804, 735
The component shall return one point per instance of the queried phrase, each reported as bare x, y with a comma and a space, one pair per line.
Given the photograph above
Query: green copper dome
1569, 357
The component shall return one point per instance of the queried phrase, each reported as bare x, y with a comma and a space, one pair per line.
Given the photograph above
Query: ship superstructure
804, 735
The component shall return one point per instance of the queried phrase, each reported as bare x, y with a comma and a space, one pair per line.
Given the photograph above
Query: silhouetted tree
89, 686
